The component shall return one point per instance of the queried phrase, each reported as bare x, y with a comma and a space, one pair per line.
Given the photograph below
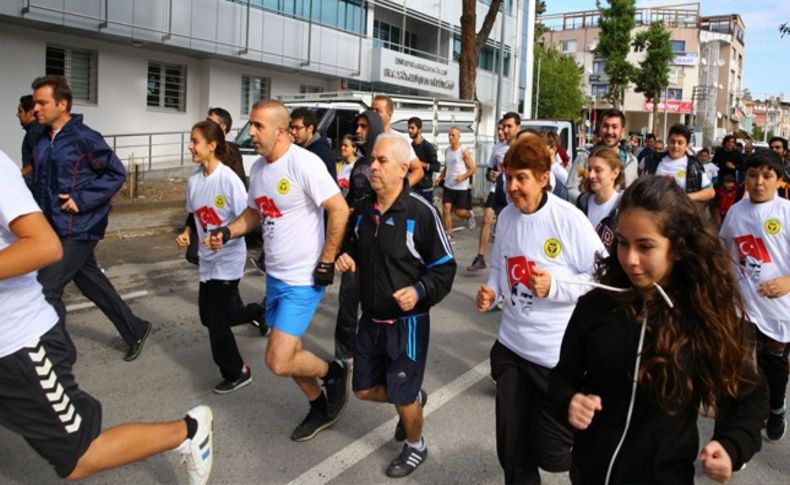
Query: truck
337, 110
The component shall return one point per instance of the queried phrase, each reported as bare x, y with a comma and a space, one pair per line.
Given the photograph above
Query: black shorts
458, 198
393, 355
40, 401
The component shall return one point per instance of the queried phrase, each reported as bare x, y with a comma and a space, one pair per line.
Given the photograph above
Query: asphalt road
252, 426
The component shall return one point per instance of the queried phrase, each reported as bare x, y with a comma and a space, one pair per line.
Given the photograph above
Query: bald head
269, 128
276, 112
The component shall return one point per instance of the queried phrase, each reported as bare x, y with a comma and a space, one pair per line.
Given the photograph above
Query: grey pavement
252, 426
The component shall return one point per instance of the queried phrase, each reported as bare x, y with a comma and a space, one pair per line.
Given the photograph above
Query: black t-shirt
426, 152
721, 158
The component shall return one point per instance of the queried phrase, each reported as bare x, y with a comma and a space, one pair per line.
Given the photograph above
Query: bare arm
246, 222
416, 172
338, 212
37, 246
470, 165
703, 195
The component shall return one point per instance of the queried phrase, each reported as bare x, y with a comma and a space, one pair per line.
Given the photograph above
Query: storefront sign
686, 59
672, 106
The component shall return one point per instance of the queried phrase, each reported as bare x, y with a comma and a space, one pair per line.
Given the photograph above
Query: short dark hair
611, 113
781, 140
307, 116
650, 136
512, 115
27, 103
60, 88
704, 150
223, 115
765, 158
682, 130
414, 120
727, 138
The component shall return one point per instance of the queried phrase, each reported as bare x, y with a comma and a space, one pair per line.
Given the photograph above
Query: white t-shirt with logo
454, 162
288, 194
344, 176
26, 314
596, 212
558, 239
216, 200
758, 237
676, 169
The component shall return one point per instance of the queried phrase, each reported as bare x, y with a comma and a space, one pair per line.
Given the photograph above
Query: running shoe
400, 431
260, 323
470, 221
316, 420
407, 461
776, 425
336, 391
450, 238
226, 387
134, 350
478, 264
198, 452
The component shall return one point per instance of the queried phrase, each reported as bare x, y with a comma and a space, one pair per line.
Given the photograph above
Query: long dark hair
213, 133
700, 350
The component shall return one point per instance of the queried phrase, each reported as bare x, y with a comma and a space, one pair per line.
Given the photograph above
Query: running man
458, 169
405, 266
289, 191
39, 396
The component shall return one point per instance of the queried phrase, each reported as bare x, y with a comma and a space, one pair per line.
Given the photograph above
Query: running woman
637, 366
39, 396
757, 232
216, 196
603, 180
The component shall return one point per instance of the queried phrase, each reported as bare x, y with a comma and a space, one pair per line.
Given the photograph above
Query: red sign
672, 106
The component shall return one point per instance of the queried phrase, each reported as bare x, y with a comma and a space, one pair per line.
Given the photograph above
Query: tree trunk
472, 44
656, 100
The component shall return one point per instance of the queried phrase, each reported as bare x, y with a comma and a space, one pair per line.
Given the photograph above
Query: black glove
324, 274
221, 230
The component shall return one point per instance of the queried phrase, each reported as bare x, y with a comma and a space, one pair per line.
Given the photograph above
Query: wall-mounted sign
686, 59
600, 78
406, 70
672, 106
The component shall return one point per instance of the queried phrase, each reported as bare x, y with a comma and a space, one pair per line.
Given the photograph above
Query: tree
652, 76
561, 94
540, 28
472, 43
614, 44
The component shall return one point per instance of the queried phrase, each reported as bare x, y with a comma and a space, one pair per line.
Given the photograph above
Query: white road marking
89, 304
355, 452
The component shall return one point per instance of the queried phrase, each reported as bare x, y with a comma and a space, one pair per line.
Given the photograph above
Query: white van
337, 110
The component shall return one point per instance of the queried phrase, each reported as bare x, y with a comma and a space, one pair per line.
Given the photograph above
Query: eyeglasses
296, 128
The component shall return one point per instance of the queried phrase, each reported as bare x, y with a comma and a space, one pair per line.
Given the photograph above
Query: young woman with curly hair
636, 366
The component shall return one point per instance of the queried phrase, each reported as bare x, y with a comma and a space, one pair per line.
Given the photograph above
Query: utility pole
498, 111
537, 91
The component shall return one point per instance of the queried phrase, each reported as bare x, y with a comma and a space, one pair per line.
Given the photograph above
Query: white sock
419, 446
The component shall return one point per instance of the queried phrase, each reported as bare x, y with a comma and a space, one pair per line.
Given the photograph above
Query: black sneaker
226, 387
776, 425
400, 431
259, 322
315, 421
408, 461
336, 391
478, 264
134, 350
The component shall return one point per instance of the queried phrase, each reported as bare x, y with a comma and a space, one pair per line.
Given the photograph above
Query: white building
148, 66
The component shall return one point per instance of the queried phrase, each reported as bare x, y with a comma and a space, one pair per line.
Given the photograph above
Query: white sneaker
198, 452
470, 221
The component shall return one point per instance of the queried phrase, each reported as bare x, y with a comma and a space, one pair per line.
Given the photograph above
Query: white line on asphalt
378, 437
89, 304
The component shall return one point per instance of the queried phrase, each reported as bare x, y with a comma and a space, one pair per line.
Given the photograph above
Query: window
306, 89
386, 35
488, 59
78, 66
253, 88
599, 90
674, 94
347, 15
678, 46
167, 86
599, 66
568, 46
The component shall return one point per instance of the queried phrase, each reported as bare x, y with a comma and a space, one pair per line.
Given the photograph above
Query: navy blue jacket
320, 146
77, 162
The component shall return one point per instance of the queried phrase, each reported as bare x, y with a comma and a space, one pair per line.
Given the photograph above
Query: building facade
693, 95
149, 66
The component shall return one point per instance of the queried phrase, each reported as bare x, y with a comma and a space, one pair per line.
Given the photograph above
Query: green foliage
652, 76
540, 28
561, 94
614, 44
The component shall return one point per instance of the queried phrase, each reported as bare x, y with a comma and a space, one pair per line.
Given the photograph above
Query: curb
120, 234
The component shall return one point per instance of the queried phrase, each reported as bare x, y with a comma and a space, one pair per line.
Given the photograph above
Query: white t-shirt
216, 200
344, 176
676, 169
454, 161
596, 212
558, 239
758, 237
496, 159
711, 170
559, 172
288, 193
26, 314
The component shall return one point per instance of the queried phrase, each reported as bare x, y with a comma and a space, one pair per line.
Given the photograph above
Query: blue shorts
289, 309
393, 355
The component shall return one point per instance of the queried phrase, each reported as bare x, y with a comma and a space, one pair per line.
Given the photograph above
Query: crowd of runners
637, 291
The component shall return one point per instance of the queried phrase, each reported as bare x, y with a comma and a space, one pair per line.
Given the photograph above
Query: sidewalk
159, 209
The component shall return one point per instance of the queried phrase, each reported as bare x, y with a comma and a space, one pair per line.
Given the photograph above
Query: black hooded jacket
359, 185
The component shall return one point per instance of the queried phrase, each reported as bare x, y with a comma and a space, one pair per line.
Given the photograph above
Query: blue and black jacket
404, 246
77, 162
